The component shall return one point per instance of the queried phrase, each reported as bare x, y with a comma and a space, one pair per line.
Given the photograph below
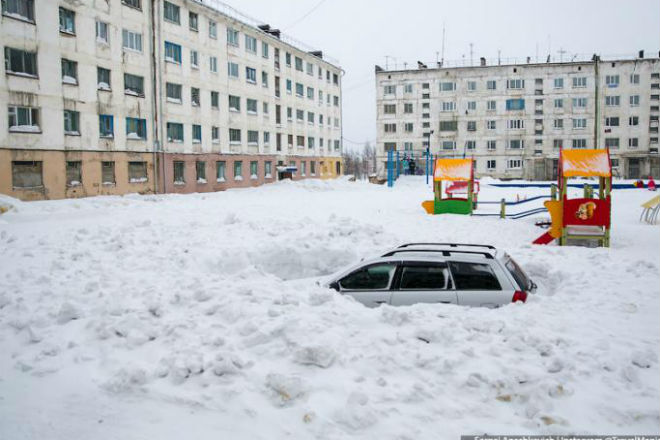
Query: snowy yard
197, 316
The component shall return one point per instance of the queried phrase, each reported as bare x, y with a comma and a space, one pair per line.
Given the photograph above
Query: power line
305, 16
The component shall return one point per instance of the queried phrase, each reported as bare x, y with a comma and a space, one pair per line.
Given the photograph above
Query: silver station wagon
447, 273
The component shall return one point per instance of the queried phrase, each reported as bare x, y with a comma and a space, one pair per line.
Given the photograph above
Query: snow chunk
285, 390
68, 312
318, 355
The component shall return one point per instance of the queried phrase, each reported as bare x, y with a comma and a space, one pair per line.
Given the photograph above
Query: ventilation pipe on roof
641, 54
483, 61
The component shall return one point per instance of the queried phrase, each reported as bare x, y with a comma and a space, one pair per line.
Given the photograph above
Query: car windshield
518, 274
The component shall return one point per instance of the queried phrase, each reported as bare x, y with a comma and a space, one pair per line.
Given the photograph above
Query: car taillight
519, 295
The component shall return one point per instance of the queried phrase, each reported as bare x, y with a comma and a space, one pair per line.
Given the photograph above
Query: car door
477, 284
423, 282
370, 284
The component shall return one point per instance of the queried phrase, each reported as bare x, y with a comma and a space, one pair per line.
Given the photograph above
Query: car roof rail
445, 253
447, 244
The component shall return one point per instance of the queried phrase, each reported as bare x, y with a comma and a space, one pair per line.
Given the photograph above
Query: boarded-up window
27, 174
108, 173
137, 172
74, 173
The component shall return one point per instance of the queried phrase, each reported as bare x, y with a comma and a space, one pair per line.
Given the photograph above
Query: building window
234, 136
557, 144
471, 125
200, 169
137, 172
514, 164
213, 64
580, 123
193, 21
490, 164
250, 44
299, 64
515, 104
335, 101
300, 115
579, 81
23, 119
27, 174
612, 101
196, 134
264, 49
265, 109
106, 126
612, 80
310, 93
179, 172
232, 70
232, 37
448, 106
215, 100
102, 35
71, 123
171, 12
172, 52
266, 138
300, 141
287, 59
559, 83
69, 72
310, 142
407, 108
20, 62
108, 173
558, 124
251, 75
136, 129
559, 103
103, 79
137, 4
515, 124
609, 122
73, 173
220, 171
213, 29
264, 79
215, 135
471, 105
579, 102
491, 125
299, 90
174, 132
67, 21
251, 106
407, 88
408, 127
234, 103
194, 59
194, 97
634, 100
389, 90
447, 86
390, 128
633, 121
515, 83
173, 92
310, 118
21, 9
470, 145
472, 86
253, 137
633, 142
133, 85
491, 84
612, 143
634, 78
131, 40
579, 143
238, 170
254, 169
448, 145
516, 144
491, 145
268, 169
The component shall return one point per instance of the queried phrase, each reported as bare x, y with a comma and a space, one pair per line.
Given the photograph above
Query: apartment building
514, 119
158, 96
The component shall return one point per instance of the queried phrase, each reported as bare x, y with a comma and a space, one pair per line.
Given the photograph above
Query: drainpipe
341, 116
154, 94
596, 102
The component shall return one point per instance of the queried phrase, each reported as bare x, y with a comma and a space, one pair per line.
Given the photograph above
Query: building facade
514, 119
118, 96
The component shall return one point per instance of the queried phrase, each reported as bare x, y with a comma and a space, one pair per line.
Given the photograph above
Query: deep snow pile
197, 316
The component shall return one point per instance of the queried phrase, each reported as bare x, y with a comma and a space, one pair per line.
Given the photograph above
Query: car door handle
444, 302
380, 302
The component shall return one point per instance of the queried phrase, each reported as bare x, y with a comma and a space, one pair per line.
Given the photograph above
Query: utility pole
596, 101
471, 52
442, 60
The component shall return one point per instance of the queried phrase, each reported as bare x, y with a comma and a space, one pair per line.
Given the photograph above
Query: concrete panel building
513, 119
145, 96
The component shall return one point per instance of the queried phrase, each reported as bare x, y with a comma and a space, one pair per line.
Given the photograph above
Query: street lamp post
428, 154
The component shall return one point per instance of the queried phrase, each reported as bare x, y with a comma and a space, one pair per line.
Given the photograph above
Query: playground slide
544, 239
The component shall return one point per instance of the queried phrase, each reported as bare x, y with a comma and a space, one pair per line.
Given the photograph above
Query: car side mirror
334, 285
533, 287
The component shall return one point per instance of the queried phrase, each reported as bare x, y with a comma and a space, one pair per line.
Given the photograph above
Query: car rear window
373, 277
517, 274
421, 277
473, 276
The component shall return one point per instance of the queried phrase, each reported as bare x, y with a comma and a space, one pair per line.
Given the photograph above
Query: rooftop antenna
442, 60
499, 61
537, 51
471, 52
561, 53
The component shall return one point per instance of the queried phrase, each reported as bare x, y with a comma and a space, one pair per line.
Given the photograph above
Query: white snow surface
198, 316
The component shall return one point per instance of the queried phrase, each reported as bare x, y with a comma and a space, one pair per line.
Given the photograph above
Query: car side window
375, 277
517, 274
474, 276
424, 277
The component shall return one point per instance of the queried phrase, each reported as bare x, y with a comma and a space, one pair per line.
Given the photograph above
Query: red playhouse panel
587, 212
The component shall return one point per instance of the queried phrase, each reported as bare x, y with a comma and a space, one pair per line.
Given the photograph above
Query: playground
144, 316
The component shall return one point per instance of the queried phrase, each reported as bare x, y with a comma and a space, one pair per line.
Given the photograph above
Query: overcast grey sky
360, 33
